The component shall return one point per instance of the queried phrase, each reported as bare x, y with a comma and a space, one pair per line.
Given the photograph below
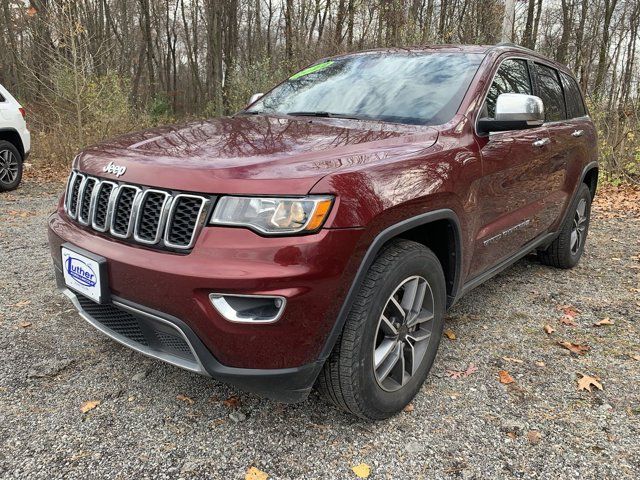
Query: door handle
578, 133
542, 142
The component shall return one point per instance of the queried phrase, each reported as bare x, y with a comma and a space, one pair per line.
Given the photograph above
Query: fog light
248, 308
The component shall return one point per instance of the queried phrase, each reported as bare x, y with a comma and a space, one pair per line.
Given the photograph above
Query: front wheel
391, 336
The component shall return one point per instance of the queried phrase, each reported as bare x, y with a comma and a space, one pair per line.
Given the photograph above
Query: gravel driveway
156, 421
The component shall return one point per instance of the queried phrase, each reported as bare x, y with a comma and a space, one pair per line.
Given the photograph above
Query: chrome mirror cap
519, 107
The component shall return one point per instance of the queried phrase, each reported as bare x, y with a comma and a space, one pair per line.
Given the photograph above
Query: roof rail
511, 44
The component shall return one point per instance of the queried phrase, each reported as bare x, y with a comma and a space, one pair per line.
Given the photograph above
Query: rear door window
512, 77
550, 91
573, 96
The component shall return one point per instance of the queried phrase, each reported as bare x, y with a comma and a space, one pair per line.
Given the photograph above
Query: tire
566, 250
10, 166
350, 379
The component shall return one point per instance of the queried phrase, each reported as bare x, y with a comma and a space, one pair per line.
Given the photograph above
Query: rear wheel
391, 336
566, 250
10, 166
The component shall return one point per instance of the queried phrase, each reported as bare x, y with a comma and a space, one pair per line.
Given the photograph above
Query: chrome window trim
197, 226
107, 219
164, 210
132, 215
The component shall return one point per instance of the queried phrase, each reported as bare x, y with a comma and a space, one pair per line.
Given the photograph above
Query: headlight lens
273, 216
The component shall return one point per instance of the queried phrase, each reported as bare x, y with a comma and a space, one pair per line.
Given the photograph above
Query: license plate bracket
85, 273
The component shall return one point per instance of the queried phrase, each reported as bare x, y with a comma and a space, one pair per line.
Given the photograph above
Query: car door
563, 141
515, 176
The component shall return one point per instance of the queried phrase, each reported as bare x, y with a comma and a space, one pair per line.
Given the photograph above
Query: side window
550, 93
575, 103
512, 77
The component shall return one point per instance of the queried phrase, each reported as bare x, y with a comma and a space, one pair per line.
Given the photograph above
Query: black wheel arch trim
381, 239
585, 171
20, 146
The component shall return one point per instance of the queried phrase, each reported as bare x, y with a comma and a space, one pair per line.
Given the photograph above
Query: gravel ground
157, 421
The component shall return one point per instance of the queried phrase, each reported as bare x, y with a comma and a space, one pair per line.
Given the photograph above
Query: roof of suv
451, 48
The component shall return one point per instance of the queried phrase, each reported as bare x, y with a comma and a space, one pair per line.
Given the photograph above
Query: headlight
273, 216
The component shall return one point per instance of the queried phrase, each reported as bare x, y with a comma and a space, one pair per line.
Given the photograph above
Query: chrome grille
157, 218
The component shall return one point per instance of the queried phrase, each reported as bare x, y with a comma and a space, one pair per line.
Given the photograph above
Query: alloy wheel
8, 167
578, 232
403, 333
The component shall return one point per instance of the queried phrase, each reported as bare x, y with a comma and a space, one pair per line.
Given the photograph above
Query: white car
15, 141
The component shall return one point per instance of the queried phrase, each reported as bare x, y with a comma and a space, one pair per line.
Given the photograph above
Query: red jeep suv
318, 236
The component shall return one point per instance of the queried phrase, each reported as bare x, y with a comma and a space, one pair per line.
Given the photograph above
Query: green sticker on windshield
311, 69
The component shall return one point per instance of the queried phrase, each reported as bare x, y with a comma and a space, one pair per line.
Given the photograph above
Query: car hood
251, 154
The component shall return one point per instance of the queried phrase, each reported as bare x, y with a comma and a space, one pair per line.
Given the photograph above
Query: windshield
413, 88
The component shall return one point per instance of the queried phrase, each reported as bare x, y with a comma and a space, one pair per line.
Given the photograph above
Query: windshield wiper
324, 115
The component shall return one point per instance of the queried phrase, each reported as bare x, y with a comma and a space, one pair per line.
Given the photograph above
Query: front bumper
279, 360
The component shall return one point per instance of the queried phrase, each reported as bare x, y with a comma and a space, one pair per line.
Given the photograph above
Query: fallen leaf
569, 310
409, 408
185, 399
232, 402
471, 369
534, 437
549, 329
254, 474
25, 324
604, 321
540, 364
635, 357
511, 359
362, 471
586, 382
505, 377
449, 334
20, 304
512, 435
575, 348
566, 320
88, 406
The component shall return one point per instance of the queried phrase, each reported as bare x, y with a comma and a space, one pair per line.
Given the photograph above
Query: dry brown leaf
20, 304
88, 406
534, 437
185, 399
449, 334
566, 320
569, 310
25, 324
505, 378
635, 357
362, 470
575, 348
512, 435
604, 321
549, 329
540, 364
471, 369
232, 402
586, 382
254, 474
409, 408
511, 359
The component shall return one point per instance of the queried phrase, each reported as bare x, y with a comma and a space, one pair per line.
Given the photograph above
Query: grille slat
144, 215
123, 209
183, 220
101, 208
